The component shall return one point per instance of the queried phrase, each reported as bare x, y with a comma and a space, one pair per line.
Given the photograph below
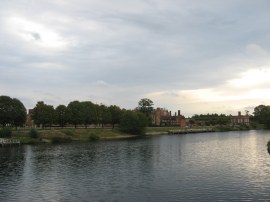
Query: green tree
262, 115
145, 106
89, 113
115, 112
211, 119
104, 115
76, 112
19, 114
6, 110
43, 114
12, 111
62, 115
96, 115
133, 122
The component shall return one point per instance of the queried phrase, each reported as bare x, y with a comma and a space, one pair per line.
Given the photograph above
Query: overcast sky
204, 56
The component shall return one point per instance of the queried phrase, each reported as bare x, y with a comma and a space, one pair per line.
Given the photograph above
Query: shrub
133, 123
33, 133
5, 132
93, 137
268, 146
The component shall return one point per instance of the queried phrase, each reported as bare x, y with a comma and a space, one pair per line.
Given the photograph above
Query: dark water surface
233, 166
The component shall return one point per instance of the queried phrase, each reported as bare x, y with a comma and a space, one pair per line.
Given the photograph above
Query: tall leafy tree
262, 115
115, 112
145, 106
43, 114
88, 113
76, 112
12, 111
19, 114
104, 115
62, 115
6, 110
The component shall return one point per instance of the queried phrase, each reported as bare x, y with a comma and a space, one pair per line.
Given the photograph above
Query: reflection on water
233, 166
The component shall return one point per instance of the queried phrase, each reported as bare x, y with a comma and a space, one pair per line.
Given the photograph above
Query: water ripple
230, 166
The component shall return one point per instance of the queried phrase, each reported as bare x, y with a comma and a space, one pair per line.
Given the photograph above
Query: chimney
178, 112
239, 113
170, 113
175, 114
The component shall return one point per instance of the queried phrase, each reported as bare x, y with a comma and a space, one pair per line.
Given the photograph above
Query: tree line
13, 113
211, 119
76, 113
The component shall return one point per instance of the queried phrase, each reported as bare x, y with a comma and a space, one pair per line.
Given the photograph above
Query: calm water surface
233, 166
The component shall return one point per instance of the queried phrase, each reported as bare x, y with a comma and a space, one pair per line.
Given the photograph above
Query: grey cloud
138, 48
34, 35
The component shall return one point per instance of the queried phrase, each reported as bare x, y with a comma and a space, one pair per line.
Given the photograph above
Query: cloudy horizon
197, 56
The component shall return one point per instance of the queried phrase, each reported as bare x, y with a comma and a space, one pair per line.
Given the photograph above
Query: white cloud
34, 33
252, 78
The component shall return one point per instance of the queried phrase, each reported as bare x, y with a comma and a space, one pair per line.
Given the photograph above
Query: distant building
163, 117
240, 119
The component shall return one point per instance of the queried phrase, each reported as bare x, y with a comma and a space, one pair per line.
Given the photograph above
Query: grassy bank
81, 134
221, 128
67, 135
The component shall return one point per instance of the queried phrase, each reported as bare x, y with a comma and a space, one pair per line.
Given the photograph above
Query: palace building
163, 117
240, 119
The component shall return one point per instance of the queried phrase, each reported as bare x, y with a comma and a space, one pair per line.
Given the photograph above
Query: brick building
163, 117
240, 119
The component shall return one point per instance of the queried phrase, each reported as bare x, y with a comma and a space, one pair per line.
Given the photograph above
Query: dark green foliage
133, 122
76, 112
104, 115
62, 115
12, 112
145, 106
5, 132
211, 119
43, 114
268, 147
89, 115
115, 114
19, 116
192, 121
93, 137
33, 133
262, 115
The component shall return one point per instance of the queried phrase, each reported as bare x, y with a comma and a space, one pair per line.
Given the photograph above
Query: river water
230, 166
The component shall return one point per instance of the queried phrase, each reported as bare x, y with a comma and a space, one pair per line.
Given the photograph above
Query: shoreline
103, 134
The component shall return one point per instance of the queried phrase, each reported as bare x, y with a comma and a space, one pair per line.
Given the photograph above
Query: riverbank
58, 135
68, 135
198, 129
